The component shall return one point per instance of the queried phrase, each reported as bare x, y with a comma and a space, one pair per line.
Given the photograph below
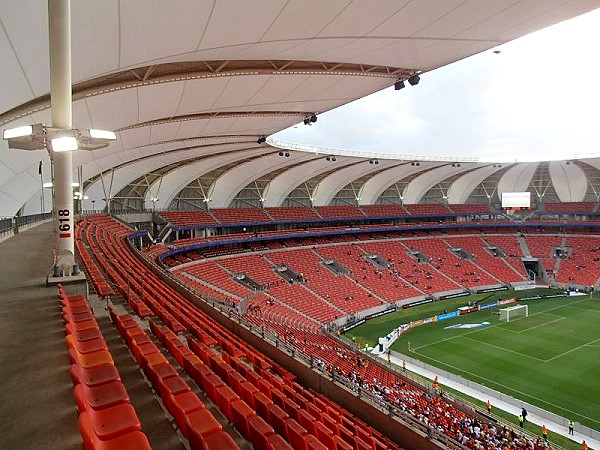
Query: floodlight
399, 85
313, 118
94, 139
64, 144
103, 134
414, 80
18, 132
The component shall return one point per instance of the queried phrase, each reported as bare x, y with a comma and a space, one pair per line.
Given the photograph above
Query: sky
538, 99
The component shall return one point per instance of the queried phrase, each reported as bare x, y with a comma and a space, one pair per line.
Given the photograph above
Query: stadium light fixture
40, 137
261, 140
414, 80
399, 85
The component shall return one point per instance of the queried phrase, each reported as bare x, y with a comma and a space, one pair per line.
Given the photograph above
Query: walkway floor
496, 402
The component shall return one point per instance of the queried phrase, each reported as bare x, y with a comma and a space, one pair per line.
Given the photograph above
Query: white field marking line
504, 349
509, 388
540, 325
583, 309
488, 327
572, 350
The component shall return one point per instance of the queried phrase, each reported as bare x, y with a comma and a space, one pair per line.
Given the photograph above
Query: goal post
506, 314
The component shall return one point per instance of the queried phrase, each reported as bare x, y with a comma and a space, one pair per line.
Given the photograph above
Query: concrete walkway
495, 401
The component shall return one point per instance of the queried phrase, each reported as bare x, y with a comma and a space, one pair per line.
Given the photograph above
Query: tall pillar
59, 24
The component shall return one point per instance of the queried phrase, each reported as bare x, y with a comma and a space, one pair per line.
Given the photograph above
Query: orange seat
100, 397
71, 327
115, 421
163, 370
134, 440
87, 360
94, 376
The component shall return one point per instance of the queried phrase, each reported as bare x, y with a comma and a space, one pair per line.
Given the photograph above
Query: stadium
189, 280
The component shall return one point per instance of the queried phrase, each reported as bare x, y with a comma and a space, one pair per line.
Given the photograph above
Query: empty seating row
107, 420
195, 422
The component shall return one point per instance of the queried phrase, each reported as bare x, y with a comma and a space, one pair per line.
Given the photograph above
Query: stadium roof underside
190, 86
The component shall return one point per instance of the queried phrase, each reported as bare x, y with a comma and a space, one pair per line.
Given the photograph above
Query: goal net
512, 312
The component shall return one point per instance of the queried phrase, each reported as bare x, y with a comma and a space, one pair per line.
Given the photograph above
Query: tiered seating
464, 208
427, 209
509, 244
383, 283
582, 267
240, 215
264, 308
248, 386
293, 213
98, 280
423, 277
107, 420
212, 274
495, 266
540, 247
338, 290
390, 210
188, 218
462, 271
195, 422
335, 212
569, 207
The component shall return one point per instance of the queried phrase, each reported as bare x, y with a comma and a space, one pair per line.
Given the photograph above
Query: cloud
538, 99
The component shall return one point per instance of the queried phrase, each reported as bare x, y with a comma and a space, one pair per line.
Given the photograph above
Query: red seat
241, 414
163, 371
89, 346
278, 418
217, 441
247, 392
175, 385
100, 397
276, 442
262, 404
94, 376
259, 431
73, 327
292, 408
295, 434
235, 380
87, 334
225, 396
180, 405
134, 440
341, 444
312, 443
325, 435
115, 421
210, 384
200, 424
307, 421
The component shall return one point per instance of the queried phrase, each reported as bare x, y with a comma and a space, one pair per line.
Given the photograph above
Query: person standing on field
521, 420
571, 424
489, 406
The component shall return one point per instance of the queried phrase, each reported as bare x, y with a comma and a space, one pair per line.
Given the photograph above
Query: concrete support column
59, 24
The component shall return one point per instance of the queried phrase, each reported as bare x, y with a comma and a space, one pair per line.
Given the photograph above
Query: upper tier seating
295, 213
569, 207
461, 271
335, 212
464, 208
390, 210
188, 218
427, 209
582, 267
240, 215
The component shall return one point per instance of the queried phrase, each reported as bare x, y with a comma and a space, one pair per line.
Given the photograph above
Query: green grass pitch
550, 359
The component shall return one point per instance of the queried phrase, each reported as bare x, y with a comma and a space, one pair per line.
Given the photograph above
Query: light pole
60, 139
